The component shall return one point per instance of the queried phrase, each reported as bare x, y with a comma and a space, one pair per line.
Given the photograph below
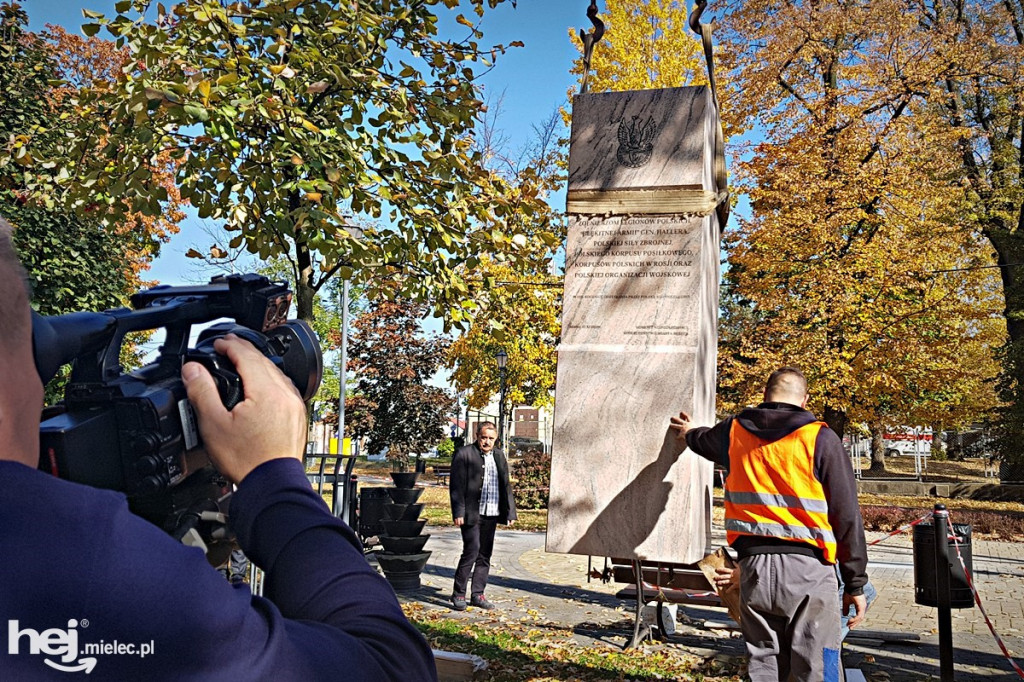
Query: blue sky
534, 80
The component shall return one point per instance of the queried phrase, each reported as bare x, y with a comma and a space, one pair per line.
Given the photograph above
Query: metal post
501, 409
940, 525
342, 362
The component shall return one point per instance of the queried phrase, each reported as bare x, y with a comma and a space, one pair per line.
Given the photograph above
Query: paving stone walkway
553, 590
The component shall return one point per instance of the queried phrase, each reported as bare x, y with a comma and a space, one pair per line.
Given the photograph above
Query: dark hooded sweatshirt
770, 422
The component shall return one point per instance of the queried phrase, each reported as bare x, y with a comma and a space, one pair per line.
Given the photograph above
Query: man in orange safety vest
791, 514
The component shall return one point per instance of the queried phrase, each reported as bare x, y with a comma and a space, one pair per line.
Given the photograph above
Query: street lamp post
342, 380
502, 358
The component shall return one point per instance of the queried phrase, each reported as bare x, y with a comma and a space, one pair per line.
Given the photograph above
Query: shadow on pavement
899, 661
535, 587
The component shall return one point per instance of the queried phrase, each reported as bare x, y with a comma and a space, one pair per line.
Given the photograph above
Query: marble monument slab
639, 337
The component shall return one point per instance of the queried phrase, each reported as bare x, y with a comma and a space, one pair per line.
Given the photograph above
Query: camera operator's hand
270, 423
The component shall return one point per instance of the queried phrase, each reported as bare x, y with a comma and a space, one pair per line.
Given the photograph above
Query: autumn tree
91, 63
983, 100
396, 408
520, 315
292, 121
647, 44
74, 260
519, 305
854, 265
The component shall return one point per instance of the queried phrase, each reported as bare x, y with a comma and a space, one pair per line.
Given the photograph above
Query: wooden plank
672, 596
645, 201
456, 667
685, 579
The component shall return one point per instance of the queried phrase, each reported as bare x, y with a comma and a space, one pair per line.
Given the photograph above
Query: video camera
136, 433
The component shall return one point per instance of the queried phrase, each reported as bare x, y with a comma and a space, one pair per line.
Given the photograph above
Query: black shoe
459, 602
480, 601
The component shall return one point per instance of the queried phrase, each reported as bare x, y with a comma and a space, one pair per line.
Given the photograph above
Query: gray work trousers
790, 618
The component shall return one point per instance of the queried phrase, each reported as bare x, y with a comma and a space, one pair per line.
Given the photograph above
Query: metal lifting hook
589, 40
698, 8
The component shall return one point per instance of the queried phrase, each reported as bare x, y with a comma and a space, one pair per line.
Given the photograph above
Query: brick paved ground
527, 582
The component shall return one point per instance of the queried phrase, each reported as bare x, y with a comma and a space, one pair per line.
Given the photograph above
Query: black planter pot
404, 512
404, 479
402, 563
404, 529
404, 495
403, 557
403, 570
411, 545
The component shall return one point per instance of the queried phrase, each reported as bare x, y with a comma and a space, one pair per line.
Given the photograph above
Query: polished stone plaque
639, 325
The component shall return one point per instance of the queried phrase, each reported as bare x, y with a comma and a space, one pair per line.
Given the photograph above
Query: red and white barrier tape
977, 600
901, 529
974, 590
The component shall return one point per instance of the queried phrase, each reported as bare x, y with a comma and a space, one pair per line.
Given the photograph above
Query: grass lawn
518, 651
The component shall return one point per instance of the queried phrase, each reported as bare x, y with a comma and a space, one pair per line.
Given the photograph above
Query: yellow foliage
856, 264
520, 312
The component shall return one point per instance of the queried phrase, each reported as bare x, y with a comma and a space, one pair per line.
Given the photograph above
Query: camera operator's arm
315, 570
270, 423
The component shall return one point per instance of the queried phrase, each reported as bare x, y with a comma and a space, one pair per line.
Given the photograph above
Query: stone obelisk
640, 311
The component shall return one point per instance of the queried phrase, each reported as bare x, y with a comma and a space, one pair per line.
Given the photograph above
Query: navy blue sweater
79, 571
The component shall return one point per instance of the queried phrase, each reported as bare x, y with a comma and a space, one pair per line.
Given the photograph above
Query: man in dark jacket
791, 514
86, 586
481, 496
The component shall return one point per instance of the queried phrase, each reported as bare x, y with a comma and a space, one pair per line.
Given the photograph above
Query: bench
678, 583
443, 473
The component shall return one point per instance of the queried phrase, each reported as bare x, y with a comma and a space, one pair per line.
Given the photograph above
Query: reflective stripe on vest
771, 490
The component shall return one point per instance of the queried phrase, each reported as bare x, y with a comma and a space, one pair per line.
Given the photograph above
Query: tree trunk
955, 445
1009, 246
877, 448
836, 420
938, 447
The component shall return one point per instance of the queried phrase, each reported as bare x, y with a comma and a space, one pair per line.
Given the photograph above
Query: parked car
907, 441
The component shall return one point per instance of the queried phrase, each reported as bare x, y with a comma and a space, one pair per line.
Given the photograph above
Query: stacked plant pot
403, 558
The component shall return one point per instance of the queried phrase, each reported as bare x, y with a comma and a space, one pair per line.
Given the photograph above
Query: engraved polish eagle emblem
636, 142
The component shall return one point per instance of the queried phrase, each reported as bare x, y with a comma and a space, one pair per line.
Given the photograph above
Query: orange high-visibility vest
771, 490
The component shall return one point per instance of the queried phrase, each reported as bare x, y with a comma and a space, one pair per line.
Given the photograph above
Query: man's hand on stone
681, 425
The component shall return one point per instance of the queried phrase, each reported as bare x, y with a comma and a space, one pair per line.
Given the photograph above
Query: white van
905, 440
